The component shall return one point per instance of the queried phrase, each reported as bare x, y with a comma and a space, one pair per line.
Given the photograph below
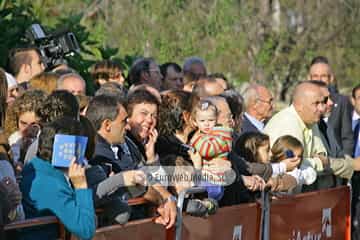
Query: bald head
303, 91
308, 102
207, 86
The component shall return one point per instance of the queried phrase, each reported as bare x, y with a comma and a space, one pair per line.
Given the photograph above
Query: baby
212, 142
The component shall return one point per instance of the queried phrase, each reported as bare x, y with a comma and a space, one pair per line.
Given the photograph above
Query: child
212, 142
283, 148
254, 147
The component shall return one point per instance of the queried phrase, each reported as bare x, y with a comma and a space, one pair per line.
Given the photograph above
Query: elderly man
340, 117
72, 82
300, 120
259, 104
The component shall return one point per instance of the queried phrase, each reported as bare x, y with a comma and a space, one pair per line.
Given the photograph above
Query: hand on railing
254, 182
167, 213
281, 183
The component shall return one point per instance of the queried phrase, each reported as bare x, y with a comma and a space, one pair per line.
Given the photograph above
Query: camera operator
25, 63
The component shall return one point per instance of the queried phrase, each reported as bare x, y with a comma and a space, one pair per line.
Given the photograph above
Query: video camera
53, 47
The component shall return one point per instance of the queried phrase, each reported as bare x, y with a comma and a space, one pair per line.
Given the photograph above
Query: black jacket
341, 121
247, 126
104, 155
170, 147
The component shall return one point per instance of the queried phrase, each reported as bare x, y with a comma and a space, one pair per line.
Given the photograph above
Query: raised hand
196, 159
291, 163
77, 176
150, 145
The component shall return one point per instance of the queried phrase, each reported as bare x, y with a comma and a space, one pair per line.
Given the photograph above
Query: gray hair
250, 95
191, 61
61, 79
112, 89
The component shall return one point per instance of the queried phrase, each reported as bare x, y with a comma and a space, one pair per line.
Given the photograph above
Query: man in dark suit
340, 117
355, 100
259, 104
327, 133
355, 181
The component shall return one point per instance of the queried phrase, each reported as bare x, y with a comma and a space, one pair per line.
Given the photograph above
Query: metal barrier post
180, 205
265, 215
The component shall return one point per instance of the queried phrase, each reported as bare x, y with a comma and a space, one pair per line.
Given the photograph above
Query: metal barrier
180, 205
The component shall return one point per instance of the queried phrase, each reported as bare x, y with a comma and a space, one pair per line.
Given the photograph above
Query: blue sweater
47, 192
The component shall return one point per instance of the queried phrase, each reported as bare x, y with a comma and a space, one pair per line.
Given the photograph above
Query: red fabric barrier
316, 215
235, 222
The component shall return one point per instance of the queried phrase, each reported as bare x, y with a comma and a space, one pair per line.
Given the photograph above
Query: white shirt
303, 175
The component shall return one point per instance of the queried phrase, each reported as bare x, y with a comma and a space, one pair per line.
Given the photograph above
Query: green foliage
235, 37
17, 16
15, 19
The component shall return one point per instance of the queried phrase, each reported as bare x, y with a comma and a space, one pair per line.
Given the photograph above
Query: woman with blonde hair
45, 81
21, 121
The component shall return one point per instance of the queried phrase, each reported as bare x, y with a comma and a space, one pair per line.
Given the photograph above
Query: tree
268, 41
17, 16
278, 56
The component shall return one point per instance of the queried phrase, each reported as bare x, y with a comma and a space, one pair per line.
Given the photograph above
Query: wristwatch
171, 198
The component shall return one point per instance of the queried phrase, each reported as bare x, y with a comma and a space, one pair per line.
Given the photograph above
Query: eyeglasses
270, 101
107, 76
325, 100
322, 102
319, 77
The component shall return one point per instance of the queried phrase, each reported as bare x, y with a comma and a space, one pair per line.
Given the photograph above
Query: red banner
315, 215
236, 222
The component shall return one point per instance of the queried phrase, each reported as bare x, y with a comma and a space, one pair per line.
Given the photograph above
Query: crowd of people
166, 120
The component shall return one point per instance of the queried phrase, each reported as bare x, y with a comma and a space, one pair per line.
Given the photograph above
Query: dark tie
323, 128
356, 133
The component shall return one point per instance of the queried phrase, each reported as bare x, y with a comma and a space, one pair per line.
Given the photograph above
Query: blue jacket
47, 192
